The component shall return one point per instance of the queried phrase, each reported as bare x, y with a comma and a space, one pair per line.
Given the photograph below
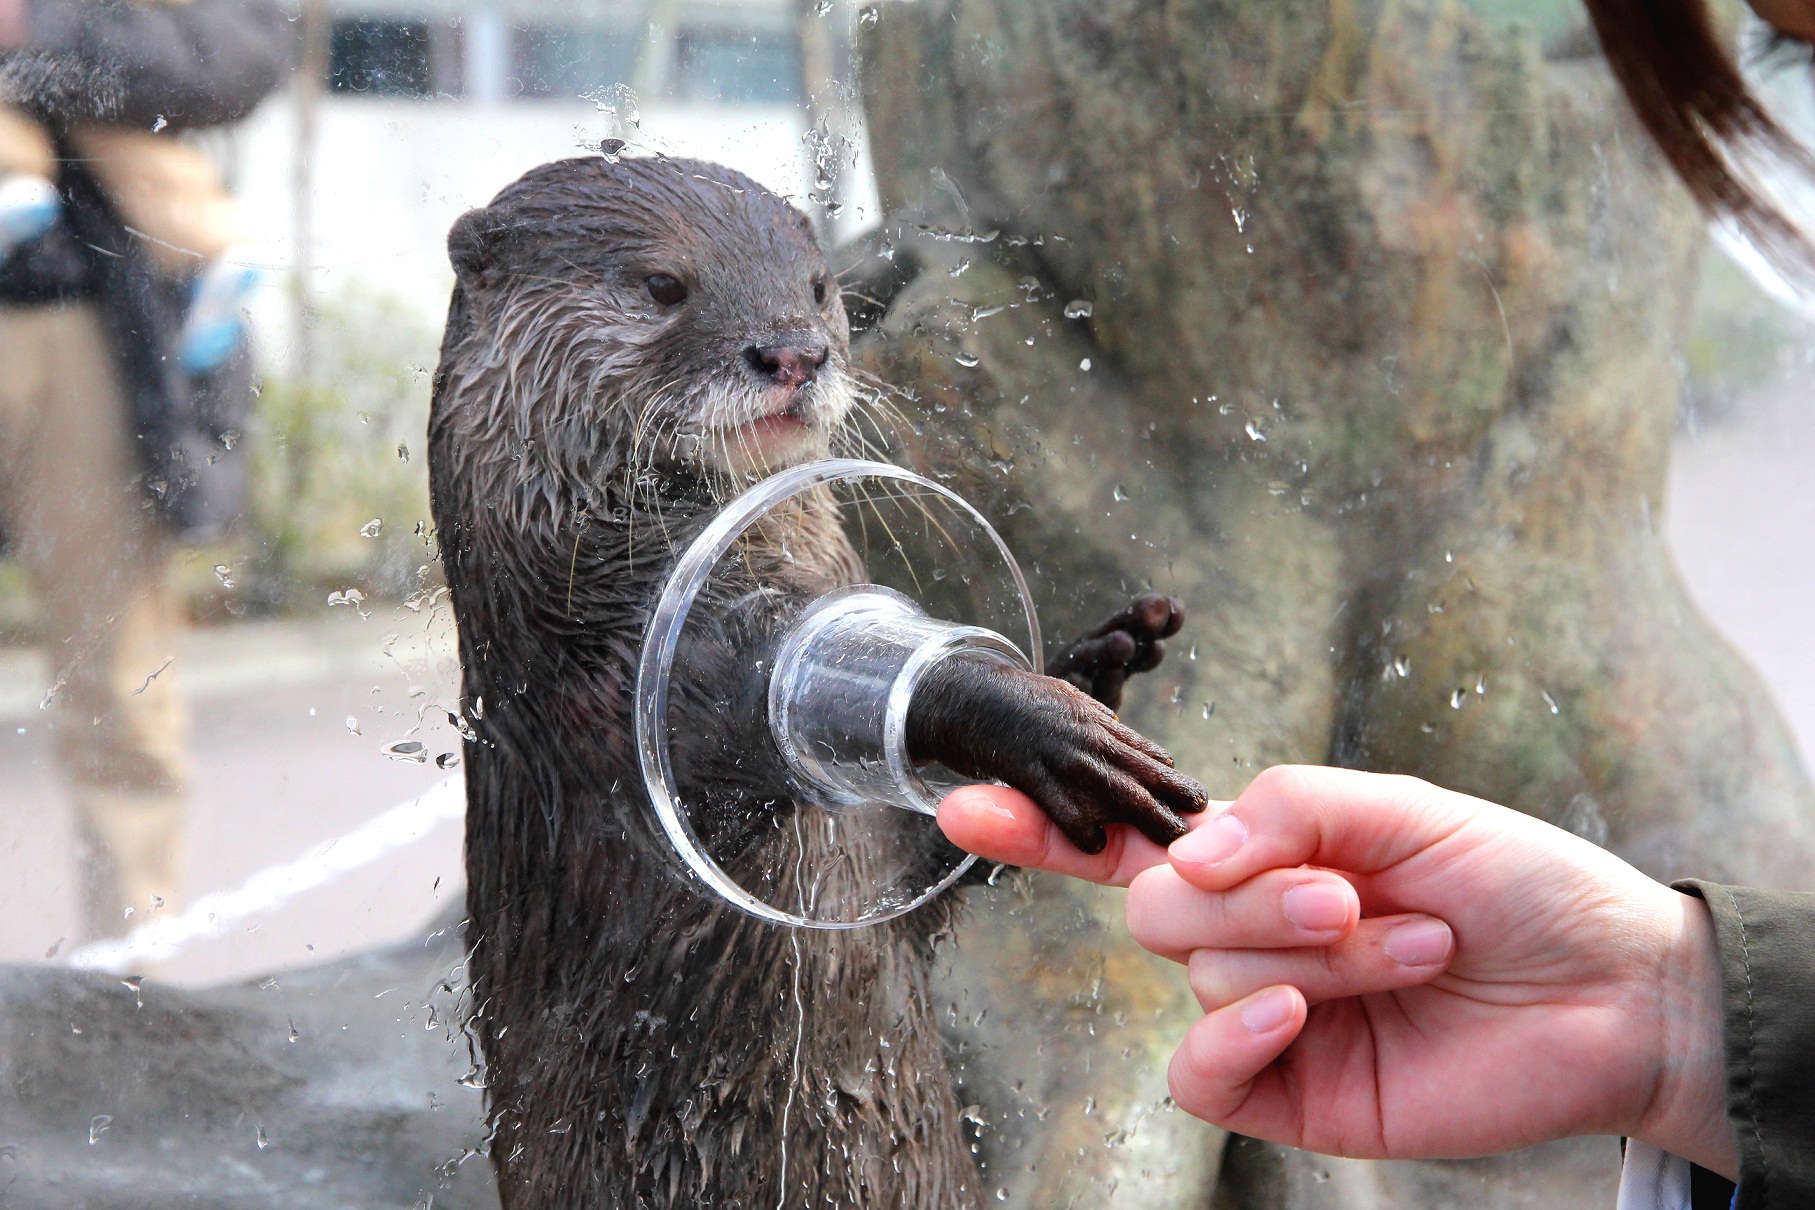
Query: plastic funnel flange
813, 690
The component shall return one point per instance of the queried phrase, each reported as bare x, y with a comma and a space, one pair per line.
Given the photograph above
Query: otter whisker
573, 566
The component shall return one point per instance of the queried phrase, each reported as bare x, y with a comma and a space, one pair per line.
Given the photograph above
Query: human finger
1278, 909
1384, 953
1214, 1068
1006, 825
1294, 815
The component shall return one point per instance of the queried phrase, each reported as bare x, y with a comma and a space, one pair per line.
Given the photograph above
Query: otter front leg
1101, 662
1044, 737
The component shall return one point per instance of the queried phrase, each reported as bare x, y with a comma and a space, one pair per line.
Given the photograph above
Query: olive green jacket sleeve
1767, 956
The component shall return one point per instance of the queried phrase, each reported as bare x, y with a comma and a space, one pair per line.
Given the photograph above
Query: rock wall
1353, 323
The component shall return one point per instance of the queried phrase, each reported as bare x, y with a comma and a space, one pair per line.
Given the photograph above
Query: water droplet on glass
263, 1141
1002, 1193
224, 574
1090, 1106
1079, 308
371, 528
1120, 492
868, 16
230, 438
1209, 709
1085, 365
1456, 699
1192, 654
968, 360
1402, 667
1549, 700
97, 1126
447, 760
1253, 431
352, 725
407, 749
403, 452
1481, 684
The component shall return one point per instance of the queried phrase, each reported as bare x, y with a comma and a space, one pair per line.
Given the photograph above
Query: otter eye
819, 291
665, 289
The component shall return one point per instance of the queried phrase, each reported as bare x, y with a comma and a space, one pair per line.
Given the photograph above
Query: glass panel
729, 65
571, 61
382, 58
1381, 336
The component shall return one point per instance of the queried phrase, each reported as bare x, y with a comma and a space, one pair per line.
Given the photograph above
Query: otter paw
1087, 769
1046, 738
1101, 662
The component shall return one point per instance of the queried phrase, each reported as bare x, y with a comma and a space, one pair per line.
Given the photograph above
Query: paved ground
278, 771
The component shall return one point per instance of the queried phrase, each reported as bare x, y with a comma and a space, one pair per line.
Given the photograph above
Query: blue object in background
217, 314
28, 207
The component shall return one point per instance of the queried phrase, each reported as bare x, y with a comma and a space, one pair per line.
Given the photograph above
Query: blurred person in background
123, 378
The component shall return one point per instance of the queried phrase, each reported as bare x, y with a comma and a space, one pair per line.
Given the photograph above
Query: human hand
1542, 987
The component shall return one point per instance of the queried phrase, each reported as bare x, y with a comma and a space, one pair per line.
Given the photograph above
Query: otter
629, 341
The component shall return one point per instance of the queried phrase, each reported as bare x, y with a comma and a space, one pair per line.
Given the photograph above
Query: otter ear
476, 242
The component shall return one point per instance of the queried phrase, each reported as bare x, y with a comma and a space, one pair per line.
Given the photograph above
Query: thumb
1214, 1069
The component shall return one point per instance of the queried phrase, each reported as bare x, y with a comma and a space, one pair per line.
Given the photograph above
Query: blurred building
740, 53
428, 107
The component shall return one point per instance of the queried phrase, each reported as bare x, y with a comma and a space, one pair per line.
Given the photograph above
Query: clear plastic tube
845, 670
839, 694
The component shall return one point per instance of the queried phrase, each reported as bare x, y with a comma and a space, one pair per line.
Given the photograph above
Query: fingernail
1267, 1011
1419, 943
1214, 843
1317, 907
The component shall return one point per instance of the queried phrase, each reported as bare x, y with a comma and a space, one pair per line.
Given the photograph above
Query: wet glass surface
1382, 338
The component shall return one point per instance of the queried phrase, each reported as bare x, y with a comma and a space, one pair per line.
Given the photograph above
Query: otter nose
787, 365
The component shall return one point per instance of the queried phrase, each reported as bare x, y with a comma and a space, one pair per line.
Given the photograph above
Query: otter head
622, 315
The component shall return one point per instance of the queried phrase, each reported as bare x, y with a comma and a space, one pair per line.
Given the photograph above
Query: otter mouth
778, 437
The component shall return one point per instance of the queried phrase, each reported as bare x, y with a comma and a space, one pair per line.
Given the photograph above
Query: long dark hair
1689, 92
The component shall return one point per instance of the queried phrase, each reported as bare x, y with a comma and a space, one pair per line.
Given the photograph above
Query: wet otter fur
628, 343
